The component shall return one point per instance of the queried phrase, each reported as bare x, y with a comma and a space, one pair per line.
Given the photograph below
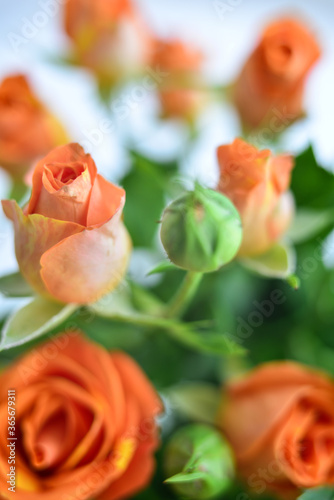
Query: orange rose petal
135, 382
106, 200
264, 397
256, 181
137, 476
27, 129
269, 91
289, 40
96, 363
281, 167
34, 235
84, 267
67, 202
49, 431
70, 153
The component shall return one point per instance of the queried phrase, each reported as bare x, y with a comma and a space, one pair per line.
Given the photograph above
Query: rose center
279, 55
68, 174
60, 175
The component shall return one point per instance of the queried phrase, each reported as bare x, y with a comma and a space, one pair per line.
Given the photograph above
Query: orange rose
280, 422
257, 182
27, 129
178, 95
84, 423
270, 88
109, 37
70, 242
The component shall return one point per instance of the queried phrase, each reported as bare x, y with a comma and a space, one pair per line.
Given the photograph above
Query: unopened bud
201, 230
199, 463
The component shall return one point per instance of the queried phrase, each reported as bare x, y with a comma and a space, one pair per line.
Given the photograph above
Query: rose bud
257, 183
70, 242
279, 420
200, 462
201, 230
109, 38
269, 91
180, 90
84, 423
27, 129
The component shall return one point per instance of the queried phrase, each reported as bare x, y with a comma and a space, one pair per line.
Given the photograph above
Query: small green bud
199, 463
201, 230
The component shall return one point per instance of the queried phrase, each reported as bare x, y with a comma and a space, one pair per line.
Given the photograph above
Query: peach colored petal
281, 167
34, 235
65, 201
256, 181
70, 153
88, 264
175, 56
105, 201
242, 167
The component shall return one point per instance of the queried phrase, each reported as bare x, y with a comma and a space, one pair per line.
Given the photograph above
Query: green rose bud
200, 463
201, 230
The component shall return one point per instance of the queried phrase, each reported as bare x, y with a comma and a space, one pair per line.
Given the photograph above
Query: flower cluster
177, 351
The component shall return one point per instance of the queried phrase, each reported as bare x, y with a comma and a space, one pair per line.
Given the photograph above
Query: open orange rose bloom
86, 420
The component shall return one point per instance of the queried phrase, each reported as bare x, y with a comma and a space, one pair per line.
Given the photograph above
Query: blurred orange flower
257, 183
269, 91
70, 242
27, 129
109, 37
179, 92
280, 422
85, 423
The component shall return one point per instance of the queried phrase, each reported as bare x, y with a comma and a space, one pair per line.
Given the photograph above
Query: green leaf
186, 477
163, 267
278, 262
115, 305
151, 180
34, 320
318, 494
196, 401
312, 185
308, 223
14, 285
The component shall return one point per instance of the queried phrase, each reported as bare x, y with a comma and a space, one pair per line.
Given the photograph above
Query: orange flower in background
280, 422
179, 94
27, 129
70, 242
270, 88
109, 37
85, 423
257, 183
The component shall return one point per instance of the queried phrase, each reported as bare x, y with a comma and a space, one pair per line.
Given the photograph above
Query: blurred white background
225, 30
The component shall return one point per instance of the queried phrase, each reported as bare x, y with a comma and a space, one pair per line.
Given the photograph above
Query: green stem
18, 190
184, 295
